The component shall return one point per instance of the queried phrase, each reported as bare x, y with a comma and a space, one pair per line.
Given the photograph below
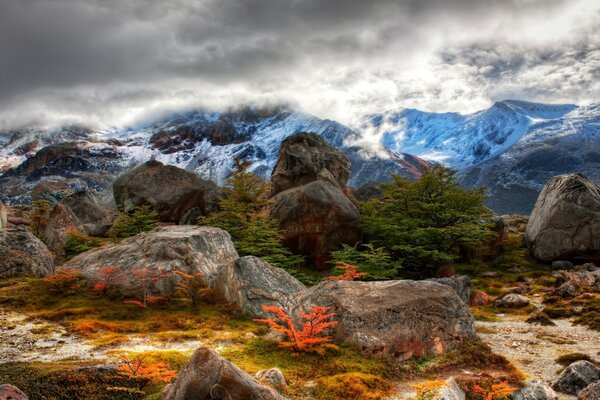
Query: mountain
72, 158
512, 148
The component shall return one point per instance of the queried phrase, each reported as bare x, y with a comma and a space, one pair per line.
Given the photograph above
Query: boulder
61, 222
479, 298
273, 377
576, 377
21, 253
400, 319
10, 392
186, 248
3, 215
303, 157
592, 392
85, 207
315, 219
565, 222
534, 390
251, 283
209, 376
171, 191
461, 285
512, 300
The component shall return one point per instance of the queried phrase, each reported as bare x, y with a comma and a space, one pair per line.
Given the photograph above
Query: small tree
349, 272
78, 243
375, 262
425, 222
145, 281
137, 368
142, 219
65, 281
40, 216
307, 339
190, 288
108, 279
245, 214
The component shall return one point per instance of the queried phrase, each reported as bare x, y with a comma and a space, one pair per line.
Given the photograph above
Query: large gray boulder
171, 191
185, 248
305, 156
21, 253
61, 222
3, 215
91, 214
401, 319
209, 376
565, 222
315, 219
592, 392
251, 283
534, 390
576, 377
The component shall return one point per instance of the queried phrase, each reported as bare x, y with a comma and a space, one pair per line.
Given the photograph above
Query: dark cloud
113, 60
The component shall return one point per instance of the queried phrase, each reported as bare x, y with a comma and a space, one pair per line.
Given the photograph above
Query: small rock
522, 289
576, 377
480, 298
489, 274
592, 392
566, 290
512, 300
534, 390
272, 376
10, 392
514, 270
450, 391
562, 265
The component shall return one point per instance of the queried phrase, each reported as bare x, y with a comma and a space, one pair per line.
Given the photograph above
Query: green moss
352, 386
567, 359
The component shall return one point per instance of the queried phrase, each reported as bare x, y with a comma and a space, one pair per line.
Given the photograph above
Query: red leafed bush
146, 372
349, 272
108, 278
145, 281
307, 339
65, 281
499, 391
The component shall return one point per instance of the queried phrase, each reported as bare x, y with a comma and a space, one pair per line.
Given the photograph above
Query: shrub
142, 219
498, 391
376, 262
145, 281
40, 215
428, 390
144, 372
65, 281
78, 243
191, 288
351, 386
349, 272
567, 359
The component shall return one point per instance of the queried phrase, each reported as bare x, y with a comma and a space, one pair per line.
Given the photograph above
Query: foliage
428, 390
349, 272
190, 288
40, 216
307, 339
426, 222
78, 243
107, 280
498, 391
351, 386
245, 214
65, 281
142, 219
145, 281
376, 262
145, 372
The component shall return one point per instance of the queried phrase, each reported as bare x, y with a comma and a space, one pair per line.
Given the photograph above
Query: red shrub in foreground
64, 281
145, 372
307, 339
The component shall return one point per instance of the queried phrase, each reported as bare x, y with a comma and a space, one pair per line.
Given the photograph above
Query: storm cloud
121, 61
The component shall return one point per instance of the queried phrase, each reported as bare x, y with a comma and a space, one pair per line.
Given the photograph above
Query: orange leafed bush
349, 272
428, 389
64, 281
499, 391
136, 367
306, 339
108, 277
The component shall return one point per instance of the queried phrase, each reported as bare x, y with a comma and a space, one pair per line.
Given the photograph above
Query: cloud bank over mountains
123, 61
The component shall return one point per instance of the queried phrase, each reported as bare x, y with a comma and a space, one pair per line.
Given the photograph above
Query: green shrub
78, 243
375, 261
142, 219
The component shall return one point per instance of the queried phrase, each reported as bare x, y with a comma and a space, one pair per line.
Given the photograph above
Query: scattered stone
480, 298
565, 222
534, 390
209, 376
592, 392
576, 377
171, 191
251, 283
460, 284
273, 377
21, 254
401, 319
562, 265
10, 392
512, 300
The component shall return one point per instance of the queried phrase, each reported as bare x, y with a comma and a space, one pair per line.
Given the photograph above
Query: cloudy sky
122, 61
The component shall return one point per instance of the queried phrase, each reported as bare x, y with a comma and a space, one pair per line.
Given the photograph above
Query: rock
489, 274
10, 392
251, 283
171, 191
18, 221
302, 159
566, 290
370, 190
534, 390
21, 253
315, 219
273, 377
209, 376
576, 377
186, 248
541, 318
562, 265
592, 392
85, 207
479, 298
401, 319
61, 222
3, 215
578, 279
460, 284
450, 391
565, 222
521, 289
512, 300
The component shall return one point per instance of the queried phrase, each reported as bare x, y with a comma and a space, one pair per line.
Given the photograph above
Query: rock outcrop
21, 253
186, 248
565, 222
60, 223
171, 191
85, 207
209, 376
10, 392
305, 156
534, 390
316, 218
401, 319
576, 377
251, 283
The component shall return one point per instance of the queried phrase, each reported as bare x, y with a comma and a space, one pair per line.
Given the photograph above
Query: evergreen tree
424, 223
142, 219
244, 213
376, 262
